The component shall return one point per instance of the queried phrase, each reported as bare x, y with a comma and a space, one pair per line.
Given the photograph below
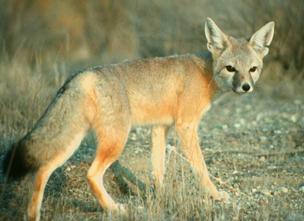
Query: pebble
283, 190
133, 136
277, 131
171, 147
263, 138
266, 192
138, 130
262, 158
293, 118
138, 150
242, 121
69, 168
301, 188
236, 125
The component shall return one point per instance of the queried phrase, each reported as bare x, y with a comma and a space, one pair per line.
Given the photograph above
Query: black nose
246, 87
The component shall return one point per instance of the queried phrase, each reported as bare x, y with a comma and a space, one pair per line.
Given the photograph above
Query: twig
291, 152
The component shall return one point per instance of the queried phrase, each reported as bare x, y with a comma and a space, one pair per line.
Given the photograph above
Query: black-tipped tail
15, 164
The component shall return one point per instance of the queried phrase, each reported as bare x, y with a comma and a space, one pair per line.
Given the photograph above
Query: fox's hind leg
41, 179
44, 173
111, 141
112, 124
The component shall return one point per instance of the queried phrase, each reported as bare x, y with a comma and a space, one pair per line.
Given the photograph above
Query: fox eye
230, 68
253, 69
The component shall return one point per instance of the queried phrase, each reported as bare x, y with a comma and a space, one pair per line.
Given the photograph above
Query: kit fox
163, 92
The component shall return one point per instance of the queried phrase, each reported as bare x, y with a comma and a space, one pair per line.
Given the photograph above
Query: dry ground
253, 144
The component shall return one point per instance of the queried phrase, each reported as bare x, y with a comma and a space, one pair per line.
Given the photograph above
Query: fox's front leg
159, 134
187, 133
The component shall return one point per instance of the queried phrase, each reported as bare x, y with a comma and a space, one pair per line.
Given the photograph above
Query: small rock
138, 150
242, 121
262, 158
301, 188
263, 138
283, 190
133, 136
237, 125
171, 147
266, 192
138, 130
277, 131
293, 118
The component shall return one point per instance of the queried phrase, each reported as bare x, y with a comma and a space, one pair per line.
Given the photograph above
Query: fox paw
222, 196
116, 208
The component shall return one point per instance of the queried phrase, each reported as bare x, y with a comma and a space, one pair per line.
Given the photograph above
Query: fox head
237, 63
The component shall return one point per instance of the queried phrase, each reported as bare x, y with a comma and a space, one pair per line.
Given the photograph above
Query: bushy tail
15, 164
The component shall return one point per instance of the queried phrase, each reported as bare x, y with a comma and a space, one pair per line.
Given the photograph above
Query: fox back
156, 88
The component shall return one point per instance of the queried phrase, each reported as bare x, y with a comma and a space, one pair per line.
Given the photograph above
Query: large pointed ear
261, 40
217, 40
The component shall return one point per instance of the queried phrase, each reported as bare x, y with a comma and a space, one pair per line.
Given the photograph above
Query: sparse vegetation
253, 144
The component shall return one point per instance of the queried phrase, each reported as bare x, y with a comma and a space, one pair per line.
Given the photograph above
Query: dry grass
116, 30
254, 144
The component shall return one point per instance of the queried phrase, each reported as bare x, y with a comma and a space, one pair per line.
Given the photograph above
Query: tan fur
159, 134
162, 92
